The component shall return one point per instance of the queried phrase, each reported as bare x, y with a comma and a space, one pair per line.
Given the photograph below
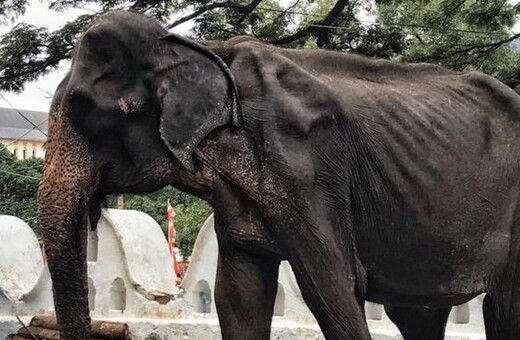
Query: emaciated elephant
377, 181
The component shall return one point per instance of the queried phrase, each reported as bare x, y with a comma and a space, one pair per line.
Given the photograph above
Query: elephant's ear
197, 95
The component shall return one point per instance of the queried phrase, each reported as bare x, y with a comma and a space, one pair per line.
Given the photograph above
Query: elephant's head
126, 119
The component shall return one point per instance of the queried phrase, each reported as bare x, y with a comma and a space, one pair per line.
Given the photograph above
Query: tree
189, 219
18, 185
461, 34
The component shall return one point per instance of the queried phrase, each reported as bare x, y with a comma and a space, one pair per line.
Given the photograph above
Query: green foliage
18, 185
188, 221
28, 52
10, 9
268, 21
459, 34
191, 213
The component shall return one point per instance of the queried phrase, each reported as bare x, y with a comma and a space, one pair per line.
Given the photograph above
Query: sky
38, 94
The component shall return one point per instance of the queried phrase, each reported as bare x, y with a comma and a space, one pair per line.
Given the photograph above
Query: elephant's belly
407, 294
429, 272
442, 248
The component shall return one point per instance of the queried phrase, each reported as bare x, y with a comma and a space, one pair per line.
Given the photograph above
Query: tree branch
254, 4
285, 11
491, 12
443, 20
226, 4
320, 31
493, 44
293, 37
144, 5
332, 17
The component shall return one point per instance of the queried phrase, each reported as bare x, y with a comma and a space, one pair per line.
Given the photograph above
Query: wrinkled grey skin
377, 181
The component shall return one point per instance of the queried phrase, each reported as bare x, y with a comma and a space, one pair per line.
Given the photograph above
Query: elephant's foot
419, 323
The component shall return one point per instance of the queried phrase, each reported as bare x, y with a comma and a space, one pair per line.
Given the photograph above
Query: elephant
378, 181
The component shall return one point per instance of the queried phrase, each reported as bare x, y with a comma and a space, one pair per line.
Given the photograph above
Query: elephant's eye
107, 74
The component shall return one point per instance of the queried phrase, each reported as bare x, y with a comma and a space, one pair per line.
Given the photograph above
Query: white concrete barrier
19, 274
129, 268
131, 279
25, 284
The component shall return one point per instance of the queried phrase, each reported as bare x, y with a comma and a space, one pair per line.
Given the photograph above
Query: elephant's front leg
328, 275
245, 292
247, 270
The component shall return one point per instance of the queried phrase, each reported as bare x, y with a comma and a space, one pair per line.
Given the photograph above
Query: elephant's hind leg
419, 323
501, 309
501, 305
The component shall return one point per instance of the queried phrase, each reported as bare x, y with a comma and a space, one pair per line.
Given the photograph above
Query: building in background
23, 132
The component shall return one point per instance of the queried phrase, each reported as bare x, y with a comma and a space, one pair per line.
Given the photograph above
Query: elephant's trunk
63, 201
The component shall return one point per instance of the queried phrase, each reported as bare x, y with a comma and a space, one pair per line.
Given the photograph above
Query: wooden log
100, 329
17, 337
110, 330
22, 337
48, 322
41, 333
